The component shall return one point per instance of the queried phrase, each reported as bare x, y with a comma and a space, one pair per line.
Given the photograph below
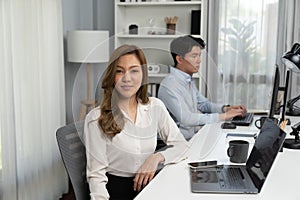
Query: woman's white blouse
125, 153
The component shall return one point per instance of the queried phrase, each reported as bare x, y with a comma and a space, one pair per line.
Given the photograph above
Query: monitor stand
292, 113
293, 143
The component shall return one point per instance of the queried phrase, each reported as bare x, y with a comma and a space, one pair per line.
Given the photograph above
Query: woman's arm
95, 143
171, 135
181, 109
147, 171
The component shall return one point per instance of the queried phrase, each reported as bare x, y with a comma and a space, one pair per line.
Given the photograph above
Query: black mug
238, 151
260, 122
133, 29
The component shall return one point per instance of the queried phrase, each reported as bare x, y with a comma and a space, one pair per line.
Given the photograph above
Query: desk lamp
87, 46
292, 60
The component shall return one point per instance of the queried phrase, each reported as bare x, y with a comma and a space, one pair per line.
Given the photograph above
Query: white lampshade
88, 46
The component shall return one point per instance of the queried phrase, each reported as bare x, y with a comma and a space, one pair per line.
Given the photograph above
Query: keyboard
243, 121
234, 178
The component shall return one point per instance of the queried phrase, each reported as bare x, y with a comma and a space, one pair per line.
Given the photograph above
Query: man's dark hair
184, 44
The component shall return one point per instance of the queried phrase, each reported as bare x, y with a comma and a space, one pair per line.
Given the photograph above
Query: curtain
288, 34
244, 56
211, 54
32, 100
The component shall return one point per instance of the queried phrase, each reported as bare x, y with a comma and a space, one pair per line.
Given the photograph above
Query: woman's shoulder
93, 114
154, 101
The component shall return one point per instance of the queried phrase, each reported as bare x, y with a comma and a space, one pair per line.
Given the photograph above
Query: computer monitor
276, 89
274, 93
285, 91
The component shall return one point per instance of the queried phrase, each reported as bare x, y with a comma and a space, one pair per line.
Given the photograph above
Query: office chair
73, 155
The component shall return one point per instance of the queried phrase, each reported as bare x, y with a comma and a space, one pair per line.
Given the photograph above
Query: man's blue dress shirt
184, 101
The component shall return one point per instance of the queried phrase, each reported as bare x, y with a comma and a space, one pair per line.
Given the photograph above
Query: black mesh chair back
73, 155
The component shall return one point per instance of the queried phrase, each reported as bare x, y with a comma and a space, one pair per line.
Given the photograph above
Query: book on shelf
153, 89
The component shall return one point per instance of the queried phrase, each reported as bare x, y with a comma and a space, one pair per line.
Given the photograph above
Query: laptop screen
266, 147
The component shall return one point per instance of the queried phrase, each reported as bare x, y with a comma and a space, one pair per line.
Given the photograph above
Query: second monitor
274, 98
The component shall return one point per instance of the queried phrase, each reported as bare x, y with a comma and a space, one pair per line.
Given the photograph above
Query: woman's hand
147, 171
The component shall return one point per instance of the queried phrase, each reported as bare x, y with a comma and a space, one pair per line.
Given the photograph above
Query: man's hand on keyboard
226, 109
233, 111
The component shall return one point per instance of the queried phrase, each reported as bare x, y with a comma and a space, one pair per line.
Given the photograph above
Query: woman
121, 134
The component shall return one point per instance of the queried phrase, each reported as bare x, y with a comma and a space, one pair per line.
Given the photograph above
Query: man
178, 91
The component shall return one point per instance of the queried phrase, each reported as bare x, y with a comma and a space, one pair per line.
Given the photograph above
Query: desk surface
173, 182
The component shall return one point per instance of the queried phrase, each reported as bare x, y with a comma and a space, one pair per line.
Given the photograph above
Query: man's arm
183, 112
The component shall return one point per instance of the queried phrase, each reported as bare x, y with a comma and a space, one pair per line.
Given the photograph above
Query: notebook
247, 178
243, 121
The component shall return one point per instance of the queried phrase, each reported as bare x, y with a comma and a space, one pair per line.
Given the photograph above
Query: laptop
247, 178
243, 121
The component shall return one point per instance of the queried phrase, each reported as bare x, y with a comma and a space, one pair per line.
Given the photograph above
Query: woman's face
129, 76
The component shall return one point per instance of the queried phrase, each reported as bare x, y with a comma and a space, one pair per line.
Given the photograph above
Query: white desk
173, 182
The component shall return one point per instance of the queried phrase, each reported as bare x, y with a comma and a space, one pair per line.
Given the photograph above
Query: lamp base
292, 113
291, 144
86, 106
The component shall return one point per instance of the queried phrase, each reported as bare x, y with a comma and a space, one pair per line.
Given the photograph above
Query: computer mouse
228, 125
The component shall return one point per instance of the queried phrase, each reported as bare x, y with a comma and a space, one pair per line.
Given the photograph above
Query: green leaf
237, 24
228, 31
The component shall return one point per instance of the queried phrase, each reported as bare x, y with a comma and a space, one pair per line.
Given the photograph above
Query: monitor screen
285, 91
275, 92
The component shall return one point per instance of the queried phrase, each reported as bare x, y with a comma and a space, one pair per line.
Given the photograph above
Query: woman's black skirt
120, 188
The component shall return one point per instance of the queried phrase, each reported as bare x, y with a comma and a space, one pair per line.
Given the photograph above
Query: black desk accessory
293, 110
292, 60
293, 143
228, 125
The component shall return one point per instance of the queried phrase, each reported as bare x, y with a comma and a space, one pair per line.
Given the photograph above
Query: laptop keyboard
243, 121
234, 178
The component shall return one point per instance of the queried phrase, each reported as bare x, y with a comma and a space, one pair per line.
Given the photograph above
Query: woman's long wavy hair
111, 119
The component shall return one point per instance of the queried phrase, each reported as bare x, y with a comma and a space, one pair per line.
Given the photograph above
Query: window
247, 51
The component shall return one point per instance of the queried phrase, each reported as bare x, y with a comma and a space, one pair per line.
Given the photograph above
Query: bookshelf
149, 17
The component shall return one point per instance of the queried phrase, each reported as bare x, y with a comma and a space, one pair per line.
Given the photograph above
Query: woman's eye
135, 70
119, 71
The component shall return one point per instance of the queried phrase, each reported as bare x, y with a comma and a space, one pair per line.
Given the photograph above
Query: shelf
148, 36
156, 75
164, 74
167, 3
162, 36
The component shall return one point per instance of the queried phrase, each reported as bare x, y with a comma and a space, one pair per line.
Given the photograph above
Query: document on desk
240, 135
